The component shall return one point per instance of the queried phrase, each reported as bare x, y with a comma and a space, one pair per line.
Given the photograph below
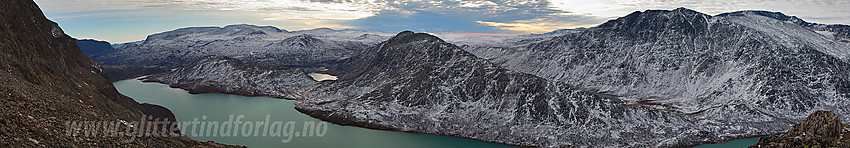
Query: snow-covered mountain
416, 82
262, 45
684, 77
734, 69
687, 61
252, 44
837, 32
217, 74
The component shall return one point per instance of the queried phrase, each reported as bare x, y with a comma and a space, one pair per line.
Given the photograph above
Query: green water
218, 108
740, 143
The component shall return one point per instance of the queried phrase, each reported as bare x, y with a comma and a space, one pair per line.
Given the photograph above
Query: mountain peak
683, 9
406, 32
410, 36
681, 20
301, 40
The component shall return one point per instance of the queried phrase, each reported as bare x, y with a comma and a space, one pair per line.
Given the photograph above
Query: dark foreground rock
46, 82
821, 129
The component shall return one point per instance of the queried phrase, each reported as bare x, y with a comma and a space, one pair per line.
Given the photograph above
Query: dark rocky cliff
46, 82
820, 129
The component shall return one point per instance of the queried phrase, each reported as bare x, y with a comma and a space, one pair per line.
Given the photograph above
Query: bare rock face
821, 129
47, 82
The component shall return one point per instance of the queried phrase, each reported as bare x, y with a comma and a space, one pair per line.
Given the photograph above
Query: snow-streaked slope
734, 70
489, 47
217, 74
465, 40
839, 32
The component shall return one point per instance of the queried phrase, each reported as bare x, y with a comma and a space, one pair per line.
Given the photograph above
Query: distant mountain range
261, 45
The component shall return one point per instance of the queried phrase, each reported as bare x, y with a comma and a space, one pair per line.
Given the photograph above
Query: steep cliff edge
46, 82
820, 129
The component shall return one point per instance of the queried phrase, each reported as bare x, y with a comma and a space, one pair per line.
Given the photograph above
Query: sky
120, 21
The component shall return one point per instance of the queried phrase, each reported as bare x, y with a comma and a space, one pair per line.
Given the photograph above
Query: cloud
533, 27
481, 16
293, 9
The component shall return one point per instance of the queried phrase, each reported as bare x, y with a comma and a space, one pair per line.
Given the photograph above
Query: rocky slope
46, 81
419, 83
217, 74
742, 70
820, 129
